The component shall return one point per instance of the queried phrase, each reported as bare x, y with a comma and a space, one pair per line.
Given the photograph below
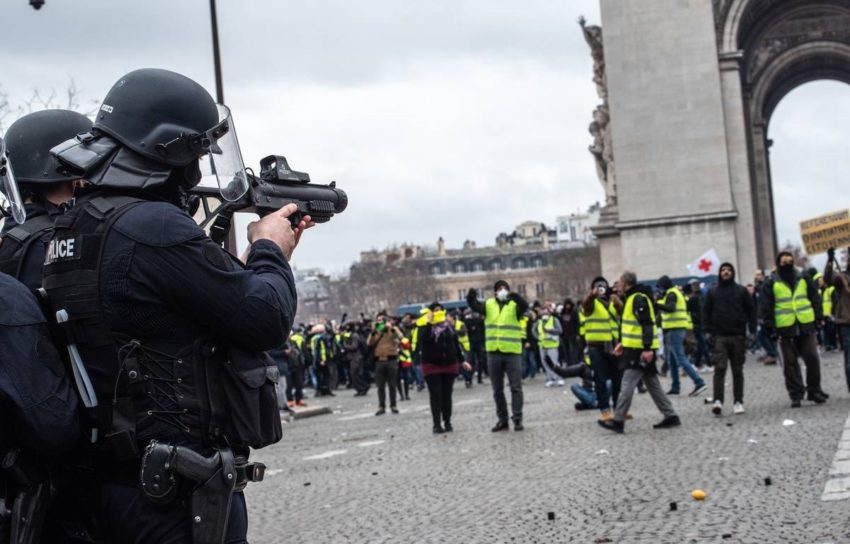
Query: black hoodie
728, 308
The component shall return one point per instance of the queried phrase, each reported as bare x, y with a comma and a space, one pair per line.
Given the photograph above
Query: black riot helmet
157, 127
30, 139
159, 114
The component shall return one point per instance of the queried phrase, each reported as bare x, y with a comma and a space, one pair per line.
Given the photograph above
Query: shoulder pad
17, 304
158, 224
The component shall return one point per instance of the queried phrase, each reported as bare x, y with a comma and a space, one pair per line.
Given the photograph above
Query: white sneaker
549, 383
560, 383
738, 408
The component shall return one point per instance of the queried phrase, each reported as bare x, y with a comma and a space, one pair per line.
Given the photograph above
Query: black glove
830, 254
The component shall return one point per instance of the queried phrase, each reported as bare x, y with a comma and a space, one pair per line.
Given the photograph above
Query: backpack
441, 349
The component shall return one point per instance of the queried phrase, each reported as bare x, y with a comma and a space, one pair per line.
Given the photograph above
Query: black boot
668, 422
501, 426
611, 425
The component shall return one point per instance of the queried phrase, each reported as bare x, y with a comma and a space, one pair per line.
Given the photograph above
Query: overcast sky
453, 118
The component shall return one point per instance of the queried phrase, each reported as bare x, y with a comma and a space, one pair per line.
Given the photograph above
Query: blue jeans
675, 340
703, 354
766, 343
588, 398
844, 335
529, 363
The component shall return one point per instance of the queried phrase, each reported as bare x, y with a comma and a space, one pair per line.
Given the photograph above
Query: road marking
326, 455
357, 416
838, 486
273, 471
370, 443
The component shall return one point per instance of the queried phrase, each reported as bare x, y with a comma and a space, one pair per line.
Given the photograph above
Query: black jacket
728, 309
38, 403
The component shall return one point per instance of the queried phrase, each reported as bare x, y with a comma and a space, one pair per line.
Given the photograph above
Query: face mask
380, 327
502, 294
786, 269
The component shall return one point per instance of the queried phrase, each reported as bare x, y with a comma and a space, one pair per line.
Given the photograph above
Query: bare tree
39, 99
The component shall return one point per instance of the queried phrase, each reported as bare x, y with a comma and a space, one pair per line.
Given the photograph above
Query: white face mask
502, 294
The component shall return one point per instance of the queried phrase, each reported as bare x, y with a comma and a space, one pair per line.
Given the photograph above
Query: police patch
63, 249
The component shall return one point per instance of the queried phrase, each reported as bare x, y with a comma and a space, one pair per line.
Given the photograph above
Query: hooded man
791, 310
502, 314
727, 312
674, 322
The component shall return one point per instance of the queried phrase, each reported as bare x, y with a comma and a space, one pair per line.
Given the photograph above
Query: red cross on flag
708, 264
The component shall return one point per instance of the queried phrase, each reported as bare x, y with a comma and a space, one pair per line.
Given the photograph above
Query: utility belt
166, 468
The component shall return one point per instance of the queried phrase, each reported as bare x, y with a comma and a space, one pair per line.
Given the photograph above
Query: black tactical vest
17, 242
205, 395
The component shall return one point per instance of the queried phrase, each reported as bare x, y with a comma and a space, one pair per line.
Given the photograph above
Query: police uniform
171, 328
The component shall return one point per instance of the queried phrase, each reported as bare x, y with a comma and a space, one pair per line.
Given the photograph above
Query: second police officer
171, 328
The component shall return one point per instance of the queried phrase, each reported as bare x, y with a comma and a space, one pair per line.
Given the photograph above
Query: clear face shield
223, 164
10, 198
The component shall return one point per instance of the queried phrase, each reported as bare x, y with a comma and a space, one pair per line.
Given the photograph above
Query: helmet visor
224, 160
10, 199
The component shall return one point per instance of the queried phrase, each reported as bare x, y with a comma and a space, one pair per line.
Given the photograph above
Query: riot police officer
172, 329
39, 407
46, 185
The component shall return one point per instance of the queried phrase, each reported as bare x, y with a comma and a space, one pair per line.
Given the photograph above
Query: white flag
708, 264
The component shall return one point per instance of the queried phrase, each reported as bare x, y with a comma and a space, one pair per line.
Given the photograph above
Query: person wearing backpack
442, 357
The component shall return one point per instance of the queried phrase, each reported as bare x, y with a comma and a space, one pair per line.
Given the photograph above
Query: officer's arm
644, 317
42, 404
251, 305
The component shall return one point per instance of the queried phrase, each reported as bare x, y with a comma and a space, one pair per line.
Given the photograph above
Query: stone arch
767, 49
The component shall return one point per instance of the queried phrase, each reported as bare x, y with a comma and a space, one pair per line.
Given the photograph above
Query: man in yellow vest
601, 329
791, 309
827, 294
675, 321
548, 331
504, 348
637, 351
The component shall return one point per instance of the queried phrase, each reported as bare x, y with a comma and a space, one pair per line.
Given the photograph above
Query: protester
791, 309
727, 312
442, 358
840, 281
547, 333
637, 352
674, 322
504, 346
385, 340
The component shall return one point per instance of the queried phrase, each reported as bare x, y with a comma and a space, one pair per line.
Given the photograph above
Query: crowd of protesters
617, 339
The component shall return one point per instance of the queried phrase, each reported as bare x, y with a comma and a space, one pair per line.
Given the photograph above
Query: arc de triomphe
688, 88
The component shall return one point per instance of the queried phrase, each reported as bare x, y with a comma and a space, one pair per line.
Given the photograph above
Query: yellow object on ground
698, 494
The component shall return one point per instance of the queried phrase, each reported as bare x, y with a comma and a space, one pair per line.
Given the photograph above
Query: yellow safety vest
582, 324
298, 340
464, 339
323, 354
678, 318
790, 308
827, 300
405, 359
615, 320
600, 326
523, 323
547, 340
502, 329
631, 333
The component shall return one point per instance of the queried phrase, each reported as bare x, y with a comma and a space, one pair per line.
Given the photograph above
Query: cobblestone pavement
354, 477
